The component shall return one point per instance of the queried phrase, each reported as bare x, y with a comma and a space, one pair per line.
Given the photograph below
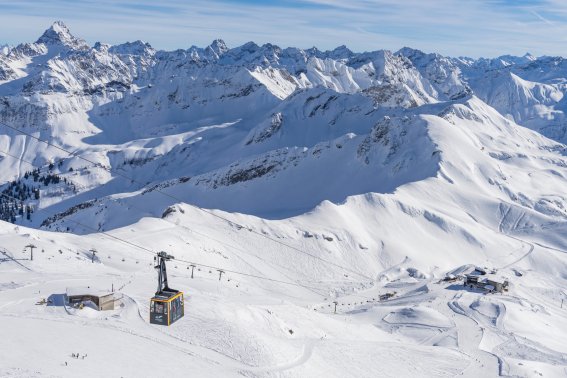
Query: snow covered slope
309, 178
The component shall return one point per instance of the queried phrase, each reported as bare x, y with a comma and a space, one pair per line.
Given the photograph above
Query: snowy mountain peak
4, 49
59, 34
138, 47
218, 46
377, 179
103, 47
249, 47
411, 53
341, 52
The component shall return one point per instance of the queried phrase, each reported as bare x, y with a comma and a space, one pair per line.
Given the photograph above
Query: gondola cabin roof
166, 296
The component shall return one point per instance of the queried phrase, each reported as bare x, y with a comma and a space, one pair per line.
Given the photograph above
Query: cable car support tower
167, 305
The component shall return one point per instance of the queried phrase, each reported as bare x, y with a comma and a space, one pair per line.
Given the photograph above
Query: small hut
103, 300
488, 282
498, 284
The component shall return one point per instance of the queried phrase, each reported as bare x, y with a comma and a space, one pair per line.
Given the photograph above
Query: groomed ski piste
241, 326
322, 224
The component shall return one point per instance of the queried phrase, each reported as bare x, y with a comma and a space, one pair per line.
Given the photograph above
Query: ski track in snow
348, 176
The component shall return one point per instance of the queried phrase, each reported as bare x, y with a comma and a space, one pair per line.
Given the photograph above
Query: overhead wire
137, 246
179, 260
187, 262
111, 170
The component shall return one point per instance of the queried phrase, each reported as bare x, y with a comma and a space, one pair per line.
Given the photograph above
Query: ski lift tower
167, 305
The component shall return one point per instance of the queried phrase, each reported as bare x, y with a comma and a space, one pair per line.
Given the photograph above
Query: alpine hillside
348, 174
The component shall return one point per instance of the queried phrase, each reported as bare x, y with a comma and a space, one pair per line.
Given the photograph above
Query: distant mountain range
452, 143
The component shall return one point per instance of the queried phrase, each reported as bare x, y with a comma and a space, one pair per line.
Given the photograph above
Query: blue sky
451, 27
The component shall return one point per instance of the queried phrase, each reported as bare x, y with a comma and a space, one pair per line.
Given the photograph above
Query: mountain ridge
321, 207
268, 110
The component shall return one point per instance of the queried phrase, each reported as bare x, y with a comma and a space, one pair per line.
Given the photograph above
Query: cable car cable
124, 241
178, 225
182, 201
179, 260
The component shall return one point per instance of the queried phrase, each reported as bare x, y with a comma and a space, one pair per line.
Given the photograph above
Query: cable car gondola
167, 305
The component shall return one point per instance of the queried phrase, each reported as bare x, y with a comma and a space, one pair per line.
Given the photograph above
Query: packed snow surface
322, 208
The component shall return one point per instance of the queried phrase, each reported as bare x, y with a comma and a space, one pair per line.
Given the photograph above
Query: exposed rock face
217, 121
59, 35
